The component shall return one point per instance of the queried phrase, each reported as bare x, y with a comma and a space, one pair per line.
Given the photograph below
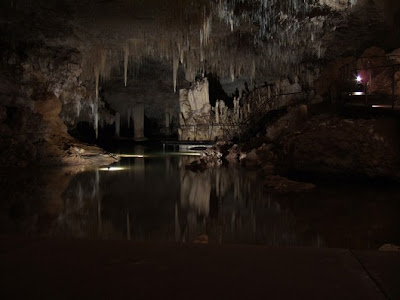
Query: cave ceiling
254, 39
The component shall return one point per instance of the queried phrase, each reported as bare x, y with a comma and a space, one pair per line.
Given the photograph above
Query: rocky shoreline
327, 145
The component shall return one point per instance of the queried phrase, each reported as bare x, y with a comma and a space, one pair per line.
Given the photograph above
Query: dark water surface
151, 197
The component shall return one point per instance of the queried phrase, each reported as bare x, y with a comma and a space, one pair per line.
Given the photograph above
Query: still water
150, 196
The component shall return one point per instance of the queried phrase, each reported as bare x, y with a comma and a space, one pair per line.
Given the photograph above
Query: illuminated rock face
199, 121
39, 96
195, 112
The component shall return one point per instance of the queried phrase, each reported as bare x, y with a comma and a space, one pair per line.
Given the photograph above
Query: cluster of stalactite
231, 38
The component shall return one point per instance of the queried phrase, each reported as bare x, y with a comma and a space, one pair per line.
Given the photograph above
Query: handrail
255, 115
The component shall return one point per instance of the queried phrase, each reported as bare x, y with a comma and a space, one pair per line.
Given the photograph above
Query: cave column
117, 124
138, 121
167, 121
129, 110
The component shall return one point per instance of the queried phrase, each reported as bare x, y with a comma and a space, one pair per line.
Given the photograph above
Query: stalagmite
236, 108
223, 111
138, 120
217, 112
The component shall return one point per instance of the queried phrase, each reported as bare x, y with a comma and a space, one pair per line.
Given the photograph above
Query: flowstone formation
199, 121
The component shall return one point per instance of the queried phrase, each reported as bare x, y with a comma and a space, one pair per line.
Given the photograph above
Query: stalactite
175, 66
78, 108
217, 112
96, 106
126, 61
232, 72
279, 30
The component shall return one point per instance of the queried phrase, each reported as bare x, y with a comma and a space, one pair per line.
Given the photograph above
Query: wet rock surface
209, 158
329, 144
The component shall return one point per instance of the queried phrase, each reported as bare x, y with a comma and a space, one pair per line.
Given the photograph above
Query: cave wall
42, 95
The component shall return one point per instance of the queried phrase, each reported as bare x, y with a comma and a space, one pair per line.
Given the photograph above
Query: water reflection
154, 198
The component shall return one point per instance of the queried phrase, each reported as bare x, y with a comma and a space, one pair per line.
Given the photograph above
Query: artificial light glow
186, 154
130, 155
381, 106
112, 169
358, 93
359, 79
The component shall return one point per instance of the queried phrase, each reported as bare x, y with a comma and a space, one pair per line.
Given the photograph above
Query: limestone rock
335, 146
233, 154
395, 56
201, 239
389, 247
31, 130
293, 120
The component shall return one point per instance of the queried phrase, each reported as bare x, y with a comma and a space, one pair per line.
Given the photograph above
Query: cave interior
216, 104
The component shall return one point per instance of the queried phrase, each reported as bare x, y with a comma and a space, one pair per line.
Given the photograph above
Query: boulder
389, 247
344, 147
293, 120
201, 239
233, 154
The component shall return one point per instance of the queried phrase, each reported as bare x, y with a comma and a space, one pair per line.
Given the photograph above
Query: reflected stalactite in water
128, 227
242, 212
158, 200
177, 226
96, 195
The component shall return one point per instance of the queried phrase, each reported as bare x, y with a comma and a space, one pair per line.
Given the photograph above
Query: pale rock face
198, 97
338, 4
195, 112
199, 121
184, 104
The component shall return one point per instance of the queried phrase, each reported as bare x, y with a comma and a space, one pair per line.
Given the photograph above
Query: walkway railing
257, 111
350, 71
